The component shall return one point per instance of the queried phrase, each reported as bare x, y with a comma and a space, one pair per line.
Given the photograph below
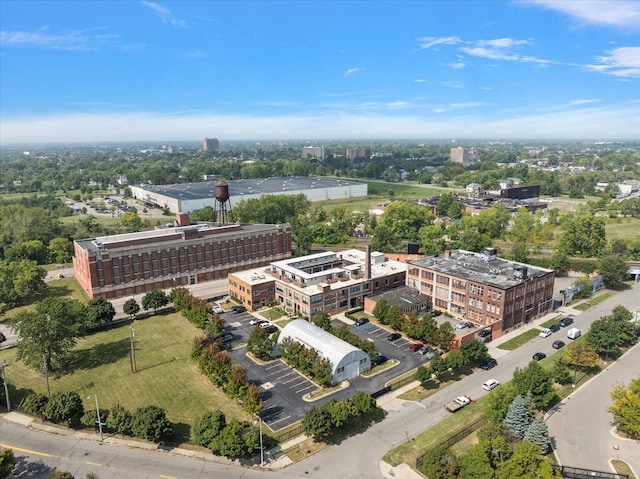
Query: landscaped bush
307, 361
232, 439
151, 424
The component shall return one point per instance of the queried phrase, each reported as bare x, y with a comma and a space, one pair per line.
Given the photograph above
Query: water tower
221, 206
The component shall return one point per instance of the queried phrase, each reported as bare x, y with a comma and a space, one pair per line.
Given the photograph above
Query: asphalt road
363, 451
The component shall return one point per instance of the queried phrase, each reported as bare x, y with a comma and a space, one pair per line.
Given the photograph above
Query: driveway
584, 415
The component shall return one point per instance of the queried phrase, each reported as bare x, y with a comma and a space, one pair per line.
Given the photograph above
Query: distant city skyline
312, 70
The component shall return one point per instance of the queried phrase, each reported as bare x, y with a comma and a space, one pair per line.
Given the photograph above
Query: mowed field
627, 229
100, 364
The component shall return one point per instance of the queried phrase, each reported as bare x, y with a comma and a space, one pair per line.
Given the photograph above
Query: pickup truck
457, 403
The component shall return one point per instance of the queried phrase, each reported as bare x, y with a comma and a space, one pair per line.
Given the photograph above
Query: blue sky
304, 70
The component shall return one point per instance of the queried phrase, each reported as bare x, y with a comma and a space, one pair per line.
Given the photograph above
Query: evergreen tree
517, 419
538, 433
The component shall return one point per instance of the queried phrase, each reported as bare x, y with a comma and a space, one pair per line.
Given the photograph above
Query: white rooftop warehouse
346, 360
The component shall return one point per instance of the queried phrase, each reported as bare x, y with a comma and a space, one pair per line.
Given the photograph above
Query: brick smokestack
367, 262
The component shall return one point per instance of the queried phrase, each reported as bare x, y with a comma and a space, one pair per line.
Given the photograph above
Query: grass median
519, 340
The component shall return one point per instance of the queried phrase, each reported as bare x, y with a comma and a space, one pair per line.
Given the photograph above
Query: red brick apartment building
133, 263
328, 281
483, 289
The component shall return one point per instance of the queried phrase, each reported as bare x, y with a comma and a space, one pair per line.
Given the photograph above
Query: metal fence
579, 473
451, 440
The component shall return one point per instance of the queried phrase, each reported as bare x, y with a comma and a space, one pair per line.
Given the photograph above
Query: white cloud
420, 80
615, 13
428, 42
621, 62
457, 65
612, 122
453, 84
584, 102
352, 71
165, 15
73, 40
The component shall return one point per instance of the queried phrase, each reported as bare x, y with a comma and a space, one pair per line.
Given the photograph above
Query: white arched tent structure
346, 360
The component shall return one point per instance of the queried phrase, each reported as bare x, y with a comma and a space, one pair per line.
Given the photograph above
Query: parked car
484, 336
555, 327
379, 360
464, 324
414, 347
490, 384
566, 321
574, 333
257, 321
227, 337
361, 321
539, 356
545, 333
557, 344
424, 350
271, 329
238, 309
217, 309
393, 337
489, 364
265, 325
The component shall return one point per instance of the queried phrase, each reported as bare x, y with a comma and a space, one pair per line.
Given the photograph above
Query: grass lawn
622, 467
519, 340
424, 391
622, 228
595, 300
100, 365
273, 314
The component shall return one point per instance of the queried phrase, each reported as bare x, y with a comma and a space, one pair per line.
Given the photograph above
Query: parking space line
275, 422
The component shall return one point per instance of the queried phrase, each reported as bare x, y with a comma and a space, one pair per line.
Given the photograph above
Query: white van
574, 333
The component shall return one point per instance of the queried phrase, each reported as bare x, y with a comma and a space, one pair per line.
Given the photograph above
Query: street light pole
133, 349
45, 357
99, 420
261, 447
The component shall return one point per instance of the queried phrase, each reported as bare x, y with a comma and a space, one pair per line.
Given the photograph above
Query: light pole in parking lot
261, 446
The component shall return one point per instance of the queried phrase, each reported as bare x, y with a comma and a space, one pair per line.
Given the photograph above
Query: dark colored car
566, 321
379, 360
238, 309
361, 321
557, 344
539, 356
271, 329
227, 337
393, 337
489, 364
414, 347
554, 328
484, 336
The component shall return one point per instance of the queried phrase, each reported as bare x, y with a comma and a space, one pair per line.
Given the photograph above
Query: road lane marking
93, 463
168, 477
28, 451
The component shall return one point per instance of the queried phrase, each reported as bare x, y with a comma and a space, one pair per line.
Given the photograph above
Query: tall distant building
316, 151
210, 144
465, 156
353, 153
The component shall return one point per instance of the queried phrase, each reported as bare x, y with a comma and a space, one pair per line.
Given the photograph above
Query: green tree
431, 238
438, 366
474, 352
151, 424
322, 320
19, 280
559, 261
526, 461
49, 331
208, 427
363, 403
7, 462
119, 420
625, 408
235, 440
523, 226
237, 383
252, 400
100, 312
561, 373
130, 222
259, 343
317, 423
454, 359
445, 335
536, 381
131, 307
64, 407
520, 253
476, 463
517, 419
605, 337
155, 300
90, 418
500, 399
60, 250
380, 310
614, 270
404, 219
340, 412
439, 463
581, 356
35, 404
538, 433
583, 235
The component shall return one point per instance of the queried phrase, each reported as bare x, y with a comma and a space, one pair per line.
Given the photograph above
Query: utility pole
45, 358
99, 420
3, 365
133, 349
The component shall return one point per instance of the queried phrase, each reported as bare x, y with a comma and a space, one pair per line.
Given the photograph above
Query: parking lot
283, 388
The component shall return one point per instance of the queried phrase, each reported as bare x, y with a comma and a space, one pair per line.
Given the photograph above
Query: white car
257, 321
217, 309
265, 325
490, 384
545, 333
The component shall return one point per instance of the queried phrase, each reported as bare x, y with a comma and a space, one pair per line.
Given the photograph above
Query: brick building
328, 281
132, 263
483, 289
